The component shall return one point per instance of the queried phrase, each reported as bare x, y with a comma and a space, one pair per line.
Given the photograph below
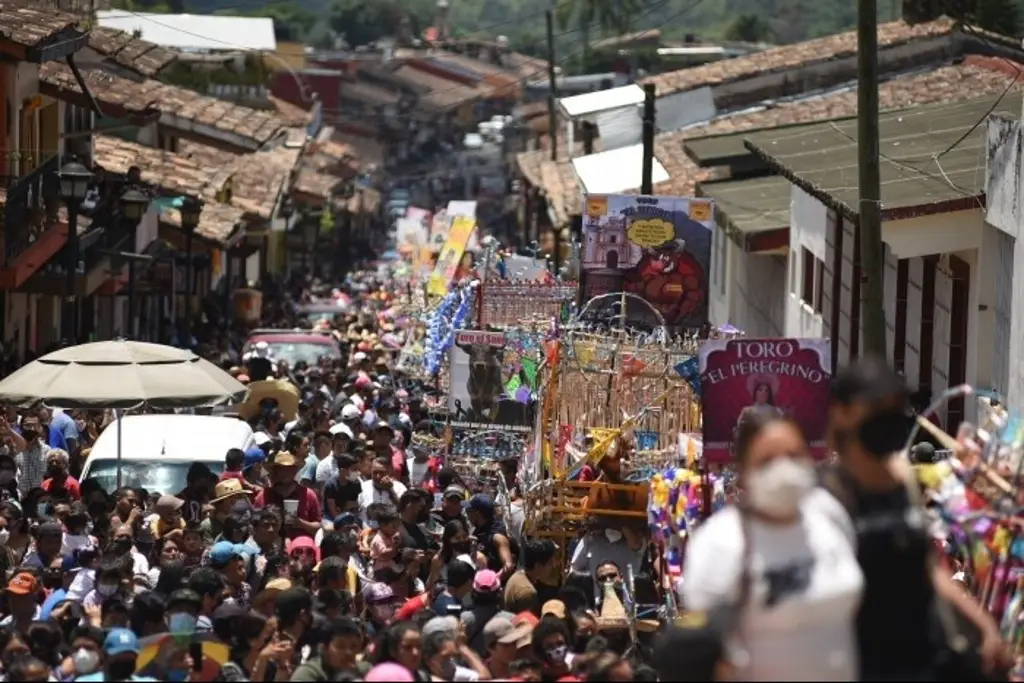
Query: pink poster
789, 374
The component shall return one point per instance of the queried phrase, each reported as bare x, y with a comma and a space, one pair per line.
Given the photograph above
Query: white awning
602, 100
617, 170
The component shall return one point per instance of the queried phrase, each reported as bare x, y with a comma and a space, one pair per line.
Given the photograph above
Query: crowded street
424, 359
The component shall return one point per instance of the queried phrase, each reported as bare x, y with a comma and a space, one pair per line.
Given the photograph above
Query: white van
157, 450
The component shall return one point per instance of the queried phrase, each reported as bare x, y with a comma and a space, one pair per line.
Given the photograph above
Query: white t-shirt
370, 495
806, 584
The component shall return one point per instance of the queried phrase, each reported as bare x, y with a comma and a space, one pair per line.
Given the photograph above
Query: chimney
443, 32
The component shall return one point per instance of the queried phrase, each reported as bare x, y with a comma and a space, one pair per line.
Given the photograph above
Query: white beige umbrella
121, 375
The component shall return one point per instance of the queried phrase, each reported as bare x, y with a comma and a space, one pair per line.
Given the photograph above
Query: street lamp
191, 209
74, 184
134, 205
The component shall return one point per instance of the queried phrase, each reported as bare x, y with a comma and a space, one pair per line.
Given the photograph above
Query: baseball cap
390, 671
455, 492
359, 357
346, 519
168, 504
500, 629
486, 581
223, 552
261, 438
350, 412
555, 608
363, 382
377, 592
342, 429
285, 459
253, 456
184, 596
23, 583
445, 624
481, 502
120, 641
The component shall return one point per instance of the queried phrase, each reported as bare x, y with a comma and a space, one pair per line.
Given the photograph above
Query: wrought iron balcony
32, 205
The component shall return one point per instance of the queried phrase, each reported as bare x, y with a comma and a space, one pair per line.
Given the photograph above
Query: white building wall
757, 292
891, 275
912, 354
807, 230
942, 319
1004, 191
846, 301
721, 285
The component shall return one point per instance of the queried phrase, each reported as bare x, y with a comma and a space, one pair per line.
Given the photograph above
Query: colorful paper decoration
646, 440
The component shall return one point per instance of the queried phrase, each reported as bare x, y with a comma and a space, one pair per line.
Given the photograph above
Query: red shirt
70, 485
398, 463
309, 506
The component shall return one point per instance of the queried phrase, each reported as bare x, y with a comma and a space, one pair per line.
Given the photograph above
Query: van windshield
165, 476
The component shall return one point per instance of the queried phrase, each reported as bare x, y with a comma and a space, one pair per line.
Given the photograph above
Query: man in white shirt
381, 488
327, 468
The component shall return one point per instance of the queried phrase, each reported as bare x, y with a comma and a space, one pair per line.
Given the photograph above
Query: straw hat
229, 488
613, 614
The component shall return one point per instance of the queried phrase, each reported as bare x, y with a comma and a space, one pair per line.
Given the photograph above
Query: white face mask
778, 488
613, 535
5, 535
106, 589
85, 661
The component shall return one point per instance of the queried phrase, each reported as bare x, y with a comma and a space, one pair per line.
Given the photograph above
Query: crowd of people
342, 546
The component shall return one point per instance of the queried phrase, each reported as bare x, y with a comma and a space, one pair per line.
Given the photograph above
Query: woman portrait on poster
764, 392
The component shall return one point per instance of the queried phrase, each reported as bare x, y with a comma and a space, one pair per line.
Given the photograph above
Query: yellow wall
291, 53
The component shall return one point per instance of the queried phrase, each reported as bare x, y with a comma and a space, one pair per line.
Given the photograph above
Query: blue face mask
182, 623
177, 675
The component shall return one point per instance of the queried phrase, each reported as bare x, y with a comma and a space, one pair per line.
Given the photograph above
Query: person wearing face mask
901, 632
85, 653
109, 582
307, 516
442, 652
781, 561
341, 492
550, 642
120, 653
32, 461
49, 538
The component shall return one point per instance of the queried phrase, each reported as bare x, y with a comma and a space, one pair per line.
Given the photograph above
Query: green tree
749, 28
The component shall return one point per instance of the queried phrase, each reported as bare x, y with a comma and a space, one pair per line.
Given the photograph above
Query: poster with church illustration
658, 248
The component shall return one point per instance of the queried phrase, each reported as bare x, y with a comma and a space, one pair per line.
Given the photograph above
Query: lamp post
134, 205
74, 183
191, 209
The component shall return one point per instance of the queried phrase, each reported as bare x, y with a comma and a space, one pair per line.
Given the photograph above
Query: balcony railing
32, 205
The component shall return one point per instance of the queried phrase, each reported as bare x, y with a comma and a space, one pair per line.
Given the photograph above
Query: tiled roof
256, 179
173, 173
358, 152
789, 56
945, 84
133, 53
217, 222
375, 95
172, 101
259, 178
29, 26
290, 114
469, 63
443, 94
316, 184
530, 163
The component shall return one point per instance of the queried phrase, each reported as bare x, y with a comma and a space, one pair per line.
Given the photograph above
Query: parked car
294, 345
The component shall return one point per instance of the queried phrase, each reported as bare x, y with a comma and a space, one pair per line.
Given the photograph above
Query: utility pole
870, 213
647, 182
552, 88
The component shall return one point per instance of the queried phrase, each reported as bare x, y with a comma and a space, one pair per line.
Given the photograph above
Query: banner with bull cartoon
493, 380
658, 248
790, 375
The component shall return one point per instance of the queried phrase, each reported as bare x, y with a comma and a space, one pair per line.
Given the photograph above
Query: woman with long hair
782, 562
401, 644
